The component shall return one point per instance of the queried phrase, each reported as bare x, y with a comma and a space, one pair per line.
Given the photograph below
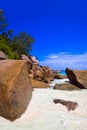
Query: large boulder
3, 56
15, 88
66, 86
44, 74
47, 71
48, 74
77, 77
39, 84
38, 74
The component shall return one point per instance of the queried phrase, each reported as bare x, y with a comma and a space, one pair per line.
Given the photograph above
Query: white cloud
65, 59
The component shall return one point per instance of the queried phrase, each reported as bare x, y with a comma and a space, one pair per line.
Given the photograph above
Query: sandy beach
43, 114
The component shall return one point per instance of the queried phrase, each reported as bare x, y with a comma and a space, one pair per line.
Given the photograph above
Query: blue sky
59, 28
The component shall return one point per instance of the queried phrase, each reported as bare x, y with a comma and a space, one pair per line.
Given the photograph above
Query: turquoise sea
62, 72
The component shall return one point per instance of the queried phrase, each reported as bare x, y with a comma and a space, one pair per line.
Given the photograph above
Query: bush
5, 47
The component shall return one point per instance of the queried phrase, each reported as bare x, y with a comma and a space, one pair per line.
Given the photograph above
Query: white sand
43, 114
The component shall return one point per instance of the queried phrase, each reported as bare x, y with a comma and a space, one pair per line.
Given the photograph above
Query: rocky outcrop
77, 78
37, 72
24, 57
65, 86
3, 56
69, 104
58, 76
39, 75
34, 60
39, 84
31, 59
45, 74
15, 88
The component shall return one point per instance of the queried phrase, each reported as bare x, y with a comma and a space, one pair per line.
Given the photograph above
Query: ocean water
62, 72
43, 114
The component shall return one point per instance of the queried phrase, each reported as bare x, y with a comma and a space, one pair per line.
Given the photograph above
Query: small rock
69, 104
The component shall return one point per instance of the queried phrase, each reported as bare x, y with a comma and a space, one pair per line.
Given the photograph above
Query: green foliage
22, 44
5, 47
13, 46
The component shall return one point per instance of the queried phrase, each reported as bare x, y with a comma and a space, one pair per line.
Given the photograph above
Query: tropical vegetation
11, 45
